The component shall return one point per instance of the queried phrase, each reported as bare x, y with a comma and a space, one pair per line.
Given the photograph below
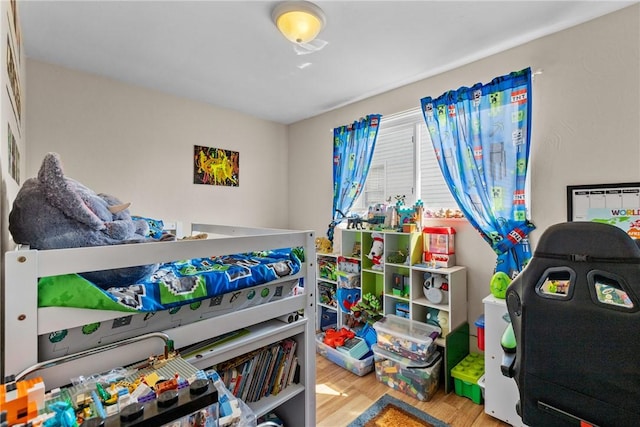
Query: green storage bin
466, 375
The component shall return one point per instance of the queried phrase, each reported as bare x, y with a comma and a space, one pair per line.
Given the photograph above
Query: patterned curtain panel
353, 147
481, 137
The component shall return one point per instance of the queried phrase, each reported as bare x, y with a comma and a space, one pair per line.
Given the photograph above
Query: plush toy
499, 283
376, 252
323, 245
439, 318
52, 211
435, 288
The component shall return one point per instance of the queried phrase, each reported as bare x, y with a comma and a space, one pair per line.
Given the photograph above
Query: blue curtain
353, 147
481, 137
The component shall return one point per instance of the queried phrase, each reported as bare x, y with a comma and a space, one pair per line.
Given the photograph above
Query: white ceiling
229, 53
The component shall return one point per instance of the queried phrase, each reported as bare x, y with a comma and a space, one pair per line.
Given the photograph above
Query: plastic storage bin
466, 375
395, 371
480, 325
481, 383
359, 367
407, 338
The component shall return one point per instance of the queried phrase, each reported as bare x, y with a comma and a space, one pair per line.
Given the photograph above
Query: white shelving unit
326, 282
289, 401
500, 392
402, 283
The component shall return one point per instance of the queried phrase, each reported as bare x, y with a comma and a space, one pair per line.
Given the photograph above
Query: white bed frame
24, 322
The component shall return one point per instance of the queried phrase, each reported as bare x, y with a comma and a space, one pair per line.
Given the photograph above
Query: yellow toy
323, 245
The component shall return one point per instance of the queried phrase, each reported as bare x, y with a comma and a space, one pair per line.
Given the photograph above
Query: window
404, 164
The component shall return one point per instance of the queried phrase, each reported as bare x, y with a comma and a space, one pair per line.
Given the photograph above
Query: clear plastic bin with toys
408, 338
416, 379
357, 366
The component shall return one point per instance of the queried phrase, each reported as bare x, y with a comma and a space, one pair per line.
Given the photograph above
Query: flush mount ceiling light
298, 21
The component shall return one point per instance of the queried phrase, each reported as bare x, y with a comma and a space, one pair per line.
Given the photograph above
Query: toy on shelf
323, 245
402, 309
327, 268
377, 251
367, 310
347, 298
436, 288
355, 222
400, 285
327, 294
348, 265
398, 257
357, 249
444, 213
377, 215
439, 248
439, 318
328, 319
348, 280
419, 213
499, 283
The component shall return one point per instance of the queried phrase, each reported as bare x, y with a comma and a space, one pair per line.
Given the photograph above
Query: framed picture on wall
216, 166
615, 204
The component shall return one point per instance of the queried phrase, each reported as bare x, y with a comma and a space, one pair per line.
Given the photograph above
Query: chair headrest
598, 240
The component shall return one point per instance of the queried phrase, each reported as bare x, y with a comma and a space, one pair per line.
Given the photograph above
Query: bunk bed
31, 335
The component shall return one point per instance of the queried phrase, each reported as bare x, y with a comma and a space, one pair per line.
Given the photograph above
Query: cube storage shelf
327, 285
398, 284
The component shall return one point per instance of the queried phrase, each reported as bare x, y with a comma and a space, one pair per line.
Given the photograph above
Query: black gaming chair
575, 312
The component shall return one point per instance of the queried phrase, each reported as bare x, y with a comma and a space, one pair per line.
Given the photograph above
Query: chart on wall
615, 204
216, 166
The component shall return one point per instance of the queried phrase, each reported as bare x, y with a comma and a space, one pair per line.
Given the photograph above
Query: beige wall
585, 129
137, 144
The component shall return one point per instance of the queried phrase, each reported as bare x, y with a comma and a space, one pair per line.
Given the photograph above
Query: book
294, 373
269, 354
291, 351
277, 369
252, 370
267, 381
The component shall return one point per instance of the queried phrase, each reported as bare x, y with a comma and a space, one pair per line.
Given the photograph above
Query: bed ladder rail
74, 356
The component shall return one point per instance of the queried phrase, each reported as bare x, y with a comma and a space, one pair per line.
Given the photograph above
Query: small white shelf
269, 403
330, 307
259, 335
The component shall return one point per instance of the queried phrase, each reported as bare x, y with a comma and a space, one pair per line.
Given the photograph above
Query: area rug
391, 412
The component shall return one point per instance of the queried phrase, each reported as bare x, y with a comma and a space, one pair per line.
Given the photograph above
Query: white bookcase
399, 288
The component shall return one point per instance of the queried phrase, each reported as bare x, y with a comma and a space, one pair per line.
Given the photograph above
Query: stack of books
262, 372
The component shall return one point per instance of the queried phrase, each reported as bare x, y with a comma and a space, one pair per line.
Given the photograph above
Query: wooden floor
341, 396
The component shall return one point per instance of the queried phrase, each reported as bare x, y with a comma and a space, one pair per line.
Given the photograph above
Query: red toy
334, 338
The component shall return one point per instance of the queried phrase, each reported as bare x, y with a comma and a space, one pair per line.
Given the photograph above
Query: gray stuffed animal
53, 212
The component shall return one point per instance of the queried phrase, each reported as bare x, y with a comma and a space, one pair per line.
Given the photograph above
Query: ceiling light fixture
298, 21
